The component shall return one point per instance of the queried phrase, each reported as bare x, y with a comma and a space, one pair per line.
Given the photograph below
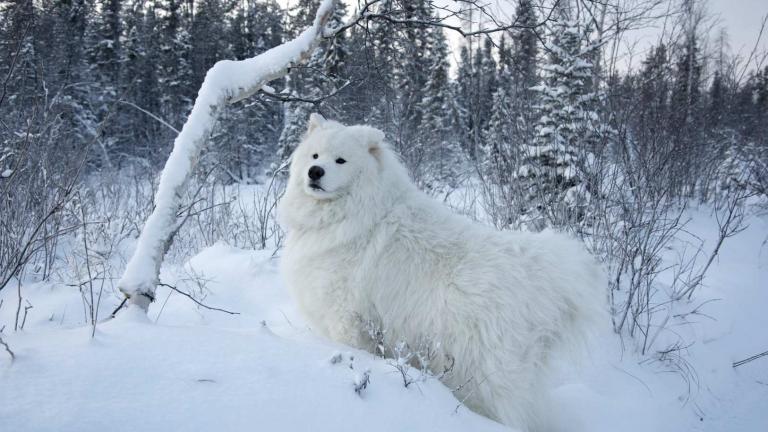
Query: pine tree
465, 94
174, 68
718, 103
652, 117
412, 77
487, 82
654, 85
19, 23
552, 168
68, 65
686, 93
526, 49
336, 50
760, 108
104, 45
245, 143
256, 27
295, 117
212, 17
264, 29
524, 73
496, 145
104, 52
506, 66
441, 147
477, 82
379, 69
685, 120
139, 78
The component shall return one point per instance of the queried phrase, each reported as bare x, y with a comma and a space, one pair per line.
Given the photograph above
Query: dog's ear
374, 141
315, 121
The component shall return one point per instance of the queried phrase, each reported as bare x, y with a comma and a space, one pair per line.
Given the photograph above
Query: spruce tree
379, 68
174, 68
487, 83
245, 143
553, 168
686, 117
104, 43
525, 48
465, 94
496, 145
211, 17
441, 147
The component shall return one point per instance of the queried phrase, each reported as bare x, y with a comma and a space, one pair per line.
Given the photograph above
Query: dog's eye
314, 156
340, 161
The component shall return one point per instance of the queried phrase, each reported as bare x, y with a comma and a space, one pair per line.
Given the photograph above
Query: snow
184, 368
136, 375
181, 367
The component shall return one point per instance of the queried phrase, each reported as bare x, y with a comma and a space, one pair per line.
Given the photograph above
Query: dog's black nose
315, 172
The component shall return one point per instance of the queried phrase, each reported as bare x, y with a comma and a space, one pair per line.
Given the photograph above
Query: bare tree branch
749, 359
197, 301
159, 120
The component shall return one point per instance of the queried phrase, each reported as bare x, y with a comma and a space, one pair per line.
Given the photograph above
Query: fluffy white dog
364, 244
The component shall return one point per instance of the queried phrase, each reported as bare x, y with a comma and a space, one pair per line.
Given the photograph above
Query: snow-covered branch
226, 82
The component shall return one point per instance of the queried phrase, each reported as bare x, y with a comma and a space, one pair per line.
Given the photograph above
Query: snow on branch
226, 82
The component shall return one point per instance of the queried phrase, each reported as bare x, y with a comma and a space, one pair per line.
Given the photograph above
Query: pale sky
741, 20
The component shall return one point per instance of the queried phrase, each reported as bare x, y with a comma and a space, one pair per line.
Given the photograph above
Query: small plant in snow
5, 344
362, 380
414, 363
336, 358
359, 380
418, 359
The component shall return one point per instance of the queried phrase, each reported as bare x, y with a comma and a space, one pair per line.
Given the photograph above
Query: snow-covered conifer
567, 129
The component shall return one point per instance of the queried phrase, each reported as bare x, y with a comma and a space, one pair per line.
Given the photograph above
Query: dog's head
332, 159
341, 174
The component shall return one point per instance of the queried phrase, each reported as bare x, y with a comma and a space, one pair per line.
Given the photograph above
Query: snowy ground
187, 368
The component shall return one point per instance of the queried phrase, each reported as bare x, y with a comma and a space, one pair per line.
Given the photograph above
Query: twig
314, 101
120, 306
197, 301
26, 310
7, 349
88, 266
159, 120
749, 359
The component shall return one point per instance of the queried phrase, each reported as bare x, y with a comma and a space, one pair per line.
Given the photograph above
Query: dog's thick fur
363, 242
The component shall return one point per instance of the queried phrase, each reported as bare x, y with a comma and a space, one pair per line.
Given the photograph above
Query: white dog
365, 245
